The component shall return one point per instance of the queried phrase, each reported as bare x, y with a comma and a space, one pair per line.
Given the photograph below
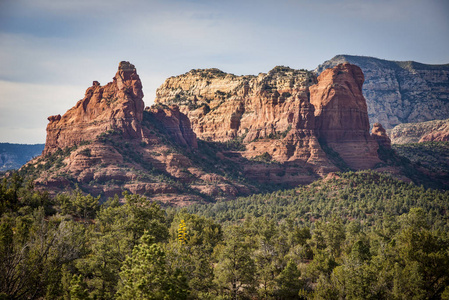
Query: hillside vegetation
358, 235
367, 197
431, 155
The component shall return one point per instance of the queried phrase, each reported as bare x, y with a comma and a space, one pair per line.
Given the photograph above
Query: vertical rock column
341, 116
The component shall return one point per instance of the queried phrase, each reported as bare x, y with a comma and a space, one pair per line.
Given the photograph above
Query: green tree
235, 270
422, 267
117, 230
32, 252
78, 204
145, 274
194, 255
289, 282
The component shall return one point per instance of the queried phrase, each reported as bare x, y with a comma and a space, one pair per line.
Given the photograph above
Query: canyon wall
400, 91
282, 113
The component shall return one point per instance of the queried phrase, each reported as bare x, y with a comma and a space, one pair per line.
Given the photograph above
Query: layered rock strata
400, 91
286, 127
437, 130
108, 143
380, 135
270, 114
341, 115
280, 114
115, 106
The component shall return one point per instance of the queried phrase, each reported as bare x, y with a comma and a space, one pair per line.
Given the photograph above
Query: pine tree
146, 275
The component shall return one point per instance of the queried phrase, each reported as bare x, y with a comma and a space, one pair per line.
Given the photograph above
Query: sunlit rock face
400, 91
285, 127
380, 135
285, 113
116, 106
430, 131
341, 115
108, 143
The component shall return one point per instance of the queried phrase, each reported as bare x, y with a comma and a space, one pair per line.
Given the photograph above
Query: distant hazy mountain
400, 91
13, 156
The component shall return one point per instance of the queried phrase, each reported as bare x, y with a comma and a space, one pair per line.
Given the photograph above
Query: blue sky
52, 50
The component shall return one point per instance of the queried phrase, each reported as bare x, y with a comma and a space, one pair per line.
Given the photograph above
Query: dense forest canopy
356, 235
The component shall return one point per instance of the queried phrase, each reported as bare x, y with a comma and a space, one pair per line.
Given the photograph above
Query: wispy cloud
51, 51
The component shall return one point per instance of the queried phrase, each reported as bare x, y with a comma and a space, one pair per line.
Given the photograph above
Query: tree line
359, 235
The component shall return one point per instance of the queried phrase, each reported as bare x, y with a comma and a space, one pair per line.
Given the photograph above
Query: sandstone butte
108, 143
286, 127
288, 114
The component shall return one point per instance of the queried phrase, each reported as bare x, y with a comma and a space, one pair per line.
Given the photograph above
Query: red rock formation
276, 119
406, 133
223, 106
115, 106
176, 124
271, 113
341, 116
127, 148
380, 135
438, 133
282, 113
439, 136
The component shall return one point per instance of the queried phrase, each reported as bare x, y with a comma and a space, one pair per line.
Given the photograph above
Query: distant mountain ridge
430, 131
13, 156
400, 91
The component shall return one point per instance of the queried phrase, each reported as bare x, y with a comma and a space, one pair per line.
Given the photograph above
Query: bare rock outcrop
286, 127
380, 136
436, 136
116, 106
176, 124
400, 91
280, 115
270, 114
108, 143
437, 130
341, 115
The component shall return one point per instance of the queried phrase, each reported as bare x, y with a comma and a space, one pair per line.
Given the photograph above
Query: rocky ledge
431, 131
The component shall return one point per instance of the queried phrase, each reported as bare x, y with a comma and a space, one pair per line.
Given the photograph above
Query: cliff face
286, 127
270, 114
108, 143
280, 115
435, 131
341, 115
223, 106
380, 135
400, 92
255, 109
115, 106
